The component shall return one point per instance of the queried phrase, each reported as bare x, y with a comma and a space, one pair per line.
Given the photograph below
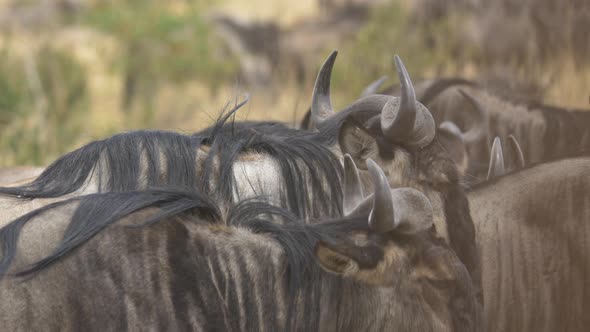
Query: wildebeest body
194, 271
174, 277
532, 230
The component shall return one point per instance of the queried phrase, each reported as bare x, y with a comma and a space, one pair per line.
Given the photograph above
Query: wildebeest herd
401, 212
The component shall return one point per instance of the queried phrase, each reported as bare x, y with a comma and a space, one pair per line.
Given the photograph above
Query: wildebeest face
415, 271
390, 259
430, 166
398, 133
402, 255
428, 169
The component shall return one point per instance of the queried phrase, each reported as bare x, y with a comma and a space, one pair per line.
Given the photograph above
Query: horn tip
496, 142
398, 62
332, 56
517, 151
404, 77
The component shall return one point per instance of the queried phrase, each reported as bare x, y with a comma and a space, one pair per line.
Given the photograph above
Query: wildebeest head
401, 254
399, 134
392, 122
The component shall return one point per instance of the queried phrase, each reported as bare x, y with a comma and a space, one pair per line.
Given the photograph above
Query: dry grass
282, 11
571, 87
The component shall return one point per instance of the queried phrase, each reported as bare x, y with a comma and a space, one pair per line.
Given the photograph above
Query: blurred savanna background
73, 71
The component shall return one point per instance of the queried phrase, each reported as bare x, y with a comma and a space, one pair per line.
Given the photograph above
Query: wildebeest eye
363, 153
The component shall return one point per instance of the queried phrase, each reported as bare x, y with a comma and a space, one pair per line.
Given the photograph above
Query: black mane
141, 159
308, 168
116, 162
96, 212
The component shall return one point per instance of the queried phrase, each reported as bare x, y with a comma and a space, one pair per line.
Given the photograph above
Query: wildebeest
473, 114
449, 134
544, 132
182, 266
400, 135
532, 229
265, 49
279, 162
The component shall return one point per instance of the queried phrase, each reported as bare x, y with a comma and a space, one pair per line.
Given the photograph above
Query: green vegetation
425, 48
44, 100
38, 95
159, 47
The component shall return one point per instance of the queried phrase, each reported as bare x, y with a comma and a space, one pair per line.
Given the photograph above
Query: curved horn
381, 218
496, 167
517, 155
373, 88
406, 210
353, 190
403, 119
476, 132
398, 115
321, 106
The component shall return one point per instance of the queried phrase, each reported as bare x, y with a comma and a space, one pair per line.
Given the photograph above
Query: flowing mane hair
309, 173
96, 212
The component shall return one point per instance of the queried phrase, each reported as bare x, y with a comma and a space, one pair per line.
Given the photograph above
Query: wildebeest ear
357, 142
453, 143
346, 258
